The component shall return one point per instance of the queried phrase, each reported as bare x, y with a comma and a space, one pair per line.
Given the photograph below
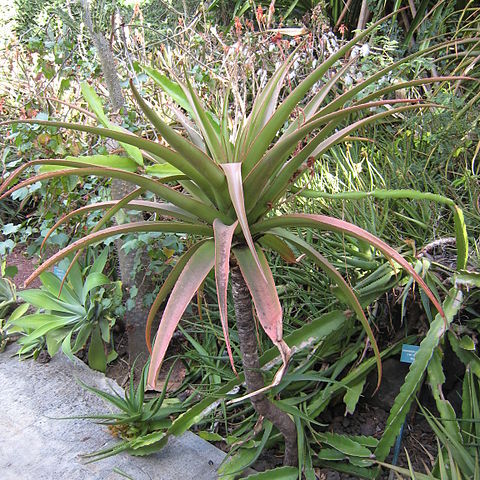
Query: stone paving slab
33, 446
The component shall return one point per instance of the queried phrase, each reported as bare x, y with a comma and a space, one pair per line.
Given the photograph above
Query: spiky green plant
230, 184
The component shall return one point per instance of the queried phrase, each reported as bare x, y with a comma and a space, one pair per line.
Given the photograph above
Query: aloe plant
71, 314
222, 186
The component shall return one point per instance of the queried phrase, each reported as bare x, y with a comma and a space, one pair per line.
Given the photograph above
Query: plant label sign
408, 353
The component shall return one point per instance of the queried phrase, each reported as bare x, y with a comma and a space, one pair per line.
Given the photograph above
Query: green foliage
8, 302
73, 315
423, 156
136, 416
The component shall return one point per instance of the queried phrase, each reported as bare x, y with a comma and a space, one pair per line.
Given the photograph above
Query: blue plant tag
408, 353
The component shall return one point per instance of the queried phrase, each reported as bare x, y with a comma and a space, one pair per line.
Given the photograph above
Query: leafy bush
73, 314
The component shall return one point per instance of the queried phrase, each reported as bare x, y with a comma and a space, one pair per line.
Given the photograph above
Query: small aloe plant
230, 184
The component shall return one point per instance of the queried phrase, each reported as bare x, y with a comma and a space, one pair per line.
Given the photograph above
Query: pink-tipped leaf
223, 243
134, 227
267, 305
166, 288
324, 222
189, 281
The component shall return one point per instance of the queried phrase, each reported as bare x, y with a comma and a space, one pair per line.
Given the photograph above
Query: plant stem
251, 365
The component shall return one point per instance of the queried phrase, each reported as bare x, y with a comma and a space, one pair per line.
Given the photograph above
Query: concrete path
36, 447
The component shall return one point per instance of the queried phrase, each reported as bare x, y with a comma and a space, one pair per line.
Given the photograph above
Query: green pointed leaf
111, 161
279, 473
95, 104
96, 353
345, 445
164, 170
45, 300
94, 280
205, 166
352, 396
173, 89
301, 339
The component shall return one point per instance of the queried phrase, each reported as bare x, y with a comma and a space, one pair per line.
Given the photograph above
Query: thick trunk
251, 365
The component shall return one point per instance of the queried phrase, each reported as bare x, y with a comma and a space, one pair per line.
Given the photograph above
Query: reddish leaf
173, 227
163, 209
335, 276
334, 224
223, 243
166, 288
195, 207
267, 305
192, 276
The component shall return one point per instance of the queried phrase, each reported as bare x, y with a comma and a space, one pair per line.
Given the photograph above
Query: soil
25, 265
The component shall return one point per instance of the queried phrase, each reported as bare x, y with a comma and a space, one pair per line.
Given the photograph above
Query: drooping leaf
163, 209
460, 227
191, 205
166, 227
267, 305
188, 282
223, 242
154, 148
335, 276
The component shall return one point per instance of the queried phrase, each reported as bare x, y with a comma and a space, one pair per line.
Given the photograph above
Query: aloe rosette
223, 190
